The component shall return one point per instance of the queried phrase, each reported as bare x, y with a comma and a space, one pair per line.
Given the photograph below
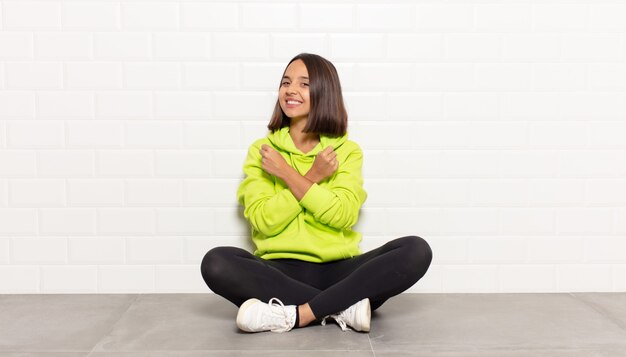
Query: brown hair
328, 114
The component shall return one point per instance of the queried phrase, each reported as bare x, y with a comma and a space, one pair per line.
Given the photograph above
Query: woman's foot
356, 316
256, 316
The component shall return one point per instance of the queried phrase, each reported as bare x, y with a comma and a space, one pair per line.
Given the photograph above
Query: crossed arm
325, 164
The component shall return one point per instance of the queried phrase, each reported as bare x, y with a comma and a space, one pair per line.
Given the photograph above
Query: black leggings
329, 287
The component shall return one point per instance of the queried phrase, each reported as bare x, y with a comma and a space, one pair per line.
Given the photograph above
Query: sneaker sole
365, 325
242, 310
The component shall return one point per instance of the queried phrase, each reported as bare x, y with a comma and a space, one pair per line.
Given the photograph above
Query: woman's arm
267, 211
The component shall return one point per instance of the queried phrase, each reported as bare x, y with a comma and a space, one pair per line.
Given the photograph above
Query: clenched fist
325, 165
273, 162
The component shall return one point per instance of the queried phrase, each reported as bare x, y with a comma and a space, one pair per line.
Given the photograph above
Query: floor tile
63, 323
462, 322
200, 322
493, 353
269, 353
611, 305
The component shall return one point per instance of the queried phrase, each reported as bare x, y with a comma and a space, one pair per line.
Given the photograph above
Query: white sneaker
255, 316
356, 316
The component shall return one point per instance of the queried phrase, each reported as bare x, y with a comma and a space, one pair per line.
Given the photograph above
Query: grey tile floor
192, 325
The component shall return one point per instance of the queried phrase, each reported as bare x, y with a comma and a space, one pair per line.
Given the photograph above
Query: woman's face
293, 94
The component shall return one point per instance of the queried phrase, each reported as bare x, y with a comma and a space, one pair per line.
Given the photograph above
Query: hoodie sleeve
268, 211
338, 203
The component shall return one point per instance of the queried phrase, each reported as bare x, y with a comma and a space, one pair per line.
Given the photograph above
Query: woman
302, 194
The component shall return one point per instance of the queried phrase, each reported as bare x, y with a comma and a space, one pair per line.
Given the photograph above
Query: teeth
292, 102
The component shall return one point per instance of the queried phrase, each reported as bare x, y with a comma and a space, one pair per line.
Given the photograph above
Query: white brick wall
494, 130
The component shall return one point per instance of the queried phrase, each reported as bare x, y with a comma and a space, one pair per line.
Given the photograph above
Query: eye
306, 84
284, 83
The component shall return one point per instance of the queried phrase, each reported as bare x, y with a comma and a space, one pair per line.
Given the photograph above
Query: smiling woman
302, 195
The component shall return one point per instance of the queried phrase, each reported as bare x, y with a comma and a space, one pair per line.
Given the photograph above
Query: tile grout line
136, 297
371, 346
600, 311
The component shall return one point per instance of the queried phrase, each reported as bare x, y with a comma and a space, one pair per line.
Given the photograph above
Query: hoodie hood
283, 141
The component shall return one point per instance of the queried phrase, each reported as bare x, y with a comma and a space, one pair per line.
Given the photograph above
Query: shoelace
339, 319
284, 321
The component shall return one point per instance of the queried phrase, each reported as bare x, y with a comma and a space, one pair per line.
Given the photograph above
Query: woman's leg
237, 275
378, 275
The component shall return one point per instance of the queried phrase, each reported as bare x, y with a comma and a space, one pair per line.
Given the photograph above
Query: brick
473, 47
122, 45
560, 17
91, 16
32, 15
153, 134
182, 46
179, 278
150, 193
37, 193
211, 192
605, 192
35, 134
531, 47
125, 163
16, 46
268, 16
95, 192
67, 221
127, 105
33, 75
527, 278
95, 133
470, 278
212, 135
357, 46
387, 17
188, 221
452, 17
287, 45
583, 221
69, 279
326, 16
528, 164
527, 221
66, 163
556, 192
439, 77
497, 250
498, 192
92, 75
503, 17
20, 279
591, 163
257, 105
555, 250
18, 221
126, 279
584, 277
65, 105
182, 104
240, 46
186, 163
63, 46
210, 15
126, 221
423, 47
150, 15
37, 251
154, 250
503, 76
217, 76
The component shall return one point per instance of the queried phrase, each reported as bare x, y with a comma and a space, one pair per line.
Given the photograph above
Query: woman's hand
325, 165
273, 162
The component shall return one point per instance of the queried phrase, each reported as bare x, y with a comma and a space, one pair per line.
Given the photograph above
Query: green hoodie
318, 227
